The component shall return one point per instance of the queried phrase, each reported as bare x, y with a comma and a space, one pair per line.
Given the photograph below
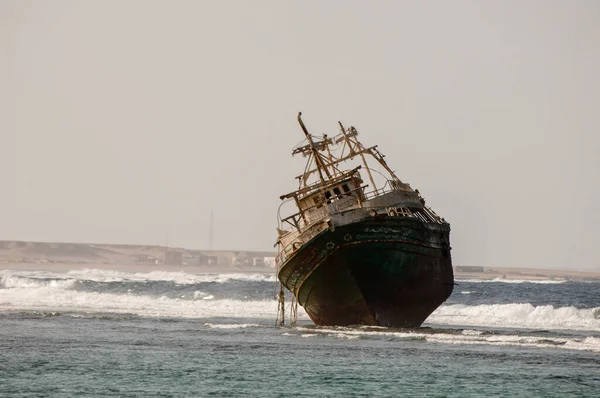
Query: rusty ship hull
384, 271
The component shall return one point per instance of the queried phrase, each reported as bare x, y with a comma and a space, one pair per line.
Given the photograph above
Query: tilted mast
325, 161
362, 156
314, 150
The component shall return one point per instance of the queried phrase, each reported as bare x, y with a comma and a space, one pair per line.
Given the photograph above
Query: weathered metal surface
375, 272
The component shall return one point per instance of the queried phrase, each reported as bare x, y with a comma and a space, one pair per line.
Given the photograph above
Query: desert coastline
64, 257
525, 274
135, 268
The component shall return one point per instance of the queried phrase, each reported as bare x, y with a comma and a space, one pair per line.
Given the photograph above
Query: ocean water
106, 333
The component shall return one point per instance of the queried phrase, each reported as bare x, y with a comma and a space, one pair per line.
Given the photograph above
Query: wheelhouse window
318, 201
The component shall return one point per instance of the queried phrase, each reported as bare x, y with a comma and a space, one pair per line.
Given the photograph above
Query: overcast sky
127, 121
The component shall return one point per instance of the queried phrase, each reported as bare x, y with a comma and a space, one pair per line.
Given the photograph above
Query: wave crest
516, 281
517, 316
179, 277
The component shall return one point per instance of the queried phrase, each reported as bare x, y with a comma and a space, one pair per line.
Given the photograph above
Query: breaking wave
50, 299
517, 316
182, 278
516, 281
237, 295
114, 292
471, 337
15, 281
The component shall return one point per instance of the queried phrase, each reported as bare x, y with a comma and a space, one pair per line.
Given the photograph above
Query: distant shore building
143, 259
173, 258
258, 261
269, 262
469, 268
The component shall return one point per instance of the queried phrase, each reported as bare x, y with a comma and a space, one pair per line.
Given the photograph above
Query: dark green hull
379, 271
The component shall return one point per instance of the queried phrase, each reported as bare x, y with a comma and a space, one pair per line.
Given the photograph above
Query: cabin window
345, 188
337, 191
317, 201
327, 194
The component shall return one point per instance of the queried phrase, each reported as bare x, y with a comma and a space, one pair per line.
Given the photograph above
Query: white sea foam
588, 343
48, 291
346, 336
516, 316
472, 332
56, 299
470, 337
201, 295
9, 281
26, 290
180, 277
100, 275
232, 326
502, 280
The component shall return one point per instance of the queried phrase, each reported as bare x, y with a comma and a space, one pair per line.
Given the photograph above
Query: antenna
210, 235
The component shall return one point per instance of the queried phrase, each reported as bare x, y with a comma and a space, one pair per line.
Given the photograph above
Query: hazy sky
121, 121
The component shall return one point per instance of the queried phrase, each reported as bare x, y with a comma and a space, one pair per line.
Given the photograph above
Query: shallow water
107, 333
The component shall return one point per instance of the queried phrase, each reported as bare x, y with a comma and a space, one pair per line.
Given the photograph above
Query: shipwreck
358, 252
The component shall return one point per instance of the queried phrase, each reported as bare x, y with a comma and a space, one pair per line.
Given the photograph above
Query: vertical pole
281, 306
347, 139
318, 161
210, 233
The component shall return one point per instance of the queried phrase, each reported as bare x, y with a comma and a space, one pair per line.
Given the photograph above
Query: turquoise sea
105, 333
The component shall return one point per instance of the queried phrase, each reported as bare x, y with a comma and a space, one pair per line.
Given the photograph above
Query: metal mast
319, 162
